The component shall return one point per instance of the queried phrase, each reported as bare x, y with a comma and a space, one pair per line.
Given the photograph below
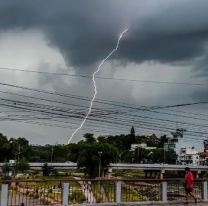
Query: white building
142, 145
189, 156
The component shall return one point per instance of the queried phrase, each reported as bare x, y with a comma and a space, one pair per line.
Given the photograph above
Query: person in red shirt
189, 184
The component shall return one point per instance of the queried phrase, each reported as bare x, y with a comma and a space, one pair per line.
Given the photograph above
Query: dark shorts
188, 190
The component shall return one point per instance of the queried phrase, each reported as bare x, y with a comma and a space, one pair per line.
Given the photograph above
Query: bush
45, 202
31, 195
77, 197
36, 196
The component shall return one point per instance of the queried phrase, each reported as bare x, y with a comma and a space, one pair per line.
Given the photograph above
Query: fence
79, 191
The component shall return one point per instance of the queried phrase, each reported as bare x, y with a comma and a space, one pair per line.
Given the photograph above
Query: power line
108, 112
149, 128
106, 120
160, 107
102, 101
115, 111
141, 108
107, 78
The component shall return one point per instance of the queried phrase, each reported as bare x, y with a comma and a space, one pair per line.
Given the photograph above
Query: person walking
189, 185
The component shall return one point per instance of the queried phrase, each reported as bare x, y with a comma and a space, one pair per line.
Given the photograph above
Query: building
142, 145
151, 139
205, 144
189, 156
203, 156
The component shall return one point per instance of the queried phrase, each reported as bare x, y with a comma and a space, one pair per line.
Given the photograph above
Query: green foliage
59, 153
127, 156
77, 197
4, 148
162, 140
34, 195
132, 133
148, 193
73, 152
22, 166
46, 169
86, 152
19, 148
161, 156
141, 155
45, 201
170, 157
102, 139
5, 167
89, 138
89, 158
122, 142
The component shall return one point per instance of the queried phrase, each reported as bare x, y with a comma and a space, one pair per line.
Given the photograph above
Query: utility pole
18, 153
99, 169
138, 154
52, 150
164, 153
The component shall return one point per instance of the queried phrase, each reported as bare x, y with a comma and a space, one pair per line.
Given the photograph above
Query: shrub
77, 197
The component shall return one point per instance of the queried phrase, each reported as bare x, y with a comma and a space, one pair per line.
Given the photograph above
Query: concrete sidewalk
172, 204
146, 204
181, 204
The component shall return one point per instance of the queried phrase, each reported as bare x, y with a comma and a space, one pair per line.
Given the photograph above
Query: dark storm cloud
85, 31
14, 15
165, 47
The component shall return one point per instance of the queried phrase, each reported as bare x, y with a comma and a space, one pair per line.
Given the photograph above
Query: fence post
118, 192
204, 191
4, 194
164, 191
162, 172
65, 194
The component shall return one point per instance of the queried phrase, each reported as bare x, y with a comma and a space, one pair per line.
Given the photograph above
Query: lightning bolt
94, 84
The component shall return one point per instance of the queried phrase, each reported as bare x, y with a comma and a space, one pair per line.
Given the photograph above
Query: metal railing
93, 191
140, 191
176, 189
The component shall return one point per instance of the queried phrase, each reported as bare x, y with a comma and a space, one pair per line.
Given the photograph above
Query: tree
89, 158
152, 140
122, 142
59, 153
162, 141
6, 168
161, 156
39, 153
72, 152
89, 138
141, 155
102, 139
19, 147
4, 148
170, 156
3, 139
46, 169
127, 156
132, 132
22, 166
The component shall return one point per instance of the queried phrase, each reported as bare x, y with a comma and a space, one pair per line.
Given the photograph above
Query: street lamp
138, 154
18, 153
99, 169
52, 150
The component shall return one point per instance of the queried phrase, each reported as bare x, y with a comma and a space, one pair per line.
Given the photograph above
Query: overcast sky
166, 44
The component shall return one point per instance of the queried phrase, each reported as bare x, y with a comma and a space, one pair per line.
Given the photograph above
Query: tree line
91, 154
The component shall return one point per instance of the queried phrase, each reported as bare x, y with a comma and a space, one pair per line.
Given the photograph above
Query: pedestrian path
87, 190
140, 204
170, 204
